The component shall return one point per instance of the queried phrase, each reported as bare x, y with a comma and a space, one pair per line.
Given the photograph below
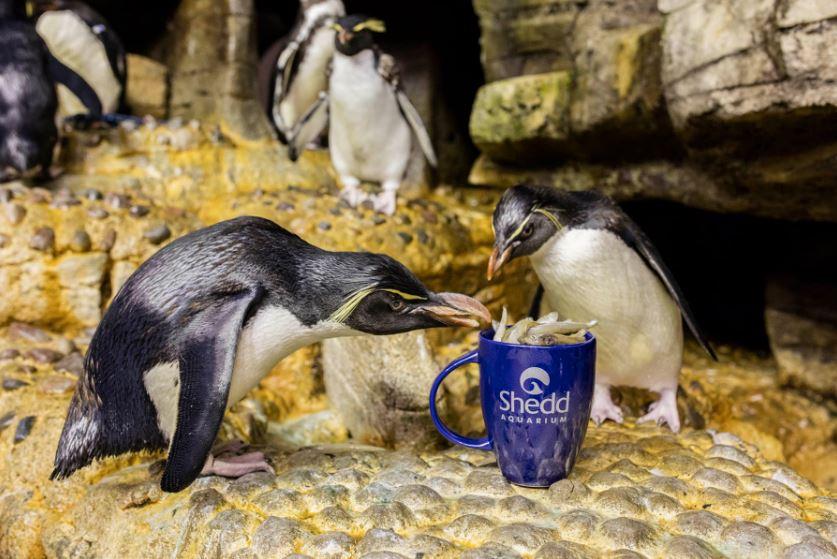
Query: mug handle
482, 443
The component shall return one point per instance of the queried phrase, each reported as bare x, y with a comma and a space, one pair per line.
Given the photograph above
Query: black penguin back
27, 101
111, 412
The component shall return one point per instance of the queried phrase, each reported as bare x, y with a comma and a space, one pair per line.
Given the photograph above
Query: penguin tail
79, 444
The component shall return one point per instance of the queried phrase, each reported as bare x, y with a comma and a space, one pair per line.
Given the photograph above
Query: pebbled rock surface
63, 251
631, 489
635, 490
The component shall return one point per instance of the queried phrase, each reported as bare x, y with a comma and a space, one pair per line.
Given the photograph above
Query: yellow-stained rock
59, 249
639, 489
147, 90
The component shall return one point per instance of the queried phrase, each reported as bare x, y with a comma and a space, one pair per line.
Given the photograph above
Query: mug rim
487, 337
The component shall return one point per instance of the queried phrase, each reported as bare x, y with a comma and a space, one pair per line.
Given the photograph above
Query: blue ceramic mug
536, 403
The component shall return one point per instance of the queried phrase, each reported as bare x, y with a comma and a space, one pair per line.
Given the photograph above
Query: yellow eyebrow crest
352, 301
519, 228
350, 304
550, 216
374, 25
406, 296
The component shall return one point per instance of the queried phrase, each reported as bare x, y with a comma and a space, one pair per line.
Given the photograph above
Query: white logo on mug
533, 380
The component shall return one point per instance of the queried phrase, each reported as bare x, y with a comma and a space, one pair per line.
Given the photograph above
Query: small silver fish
563, 327
518, 330
500, 330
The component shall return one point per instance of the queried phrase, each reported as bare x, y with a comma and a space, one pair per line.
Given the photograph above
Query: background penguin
595, 263
87, 58
27, 99
370, 117
294, 71
203, 320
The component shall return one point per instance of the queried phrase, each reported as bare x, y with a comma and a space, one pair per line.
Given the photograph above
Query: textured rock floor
636, 492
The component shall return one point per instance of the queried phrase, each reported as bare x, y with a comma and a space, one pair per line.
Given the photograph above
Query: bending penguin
204, 319
295, 71
27, 100
87, 58
371, 121
594, 262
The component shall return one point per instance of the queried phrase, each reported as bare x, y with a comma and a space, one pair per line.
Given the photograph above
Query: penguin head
526, 217
381, 296
354, 33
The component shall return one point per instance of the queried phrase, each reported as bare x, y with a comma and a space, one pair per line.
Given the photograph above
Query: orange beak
455, 309
496, 261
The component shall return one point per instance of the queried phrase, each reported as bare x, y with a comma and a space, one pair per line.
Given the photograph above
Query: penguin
371, 120
27, 100
594, 263
205, 318
87, 59
294, 71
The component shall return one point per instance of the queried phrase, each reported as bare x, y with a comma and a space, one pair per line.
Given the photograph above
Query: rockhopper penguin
295, 71
87, 58
27, 99
371, 121
595, 263
204, 319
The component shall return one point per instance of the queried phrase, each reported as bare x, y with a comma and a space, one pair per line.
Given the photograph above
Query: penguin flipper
312, 123
537, 299
414, 119
634, 237
207, 357
74, 82
286, 68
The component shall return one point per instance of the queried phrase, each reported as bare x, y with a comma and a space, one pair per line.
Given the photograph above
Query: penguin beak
497, 260
455, 309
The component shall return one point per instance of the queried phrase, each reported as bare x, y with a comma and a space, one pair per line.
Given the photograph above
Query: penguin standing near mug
27, 100
87, 59
595, 263
204, 319
295, 75
371, 121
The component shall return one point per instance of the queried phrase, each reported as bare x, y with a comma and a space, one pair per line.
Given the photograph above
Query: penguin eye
396, 304
527, 231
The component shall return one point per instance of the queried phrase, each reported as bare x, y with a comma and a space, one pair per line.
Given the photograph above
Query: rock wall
734, 101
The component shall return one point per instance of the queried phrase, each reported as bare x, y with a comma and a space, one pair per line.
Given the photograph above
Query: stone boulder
147, 90
724, 189
210, 51
801, 318
379, 388
733, 70
528, 37
606, 99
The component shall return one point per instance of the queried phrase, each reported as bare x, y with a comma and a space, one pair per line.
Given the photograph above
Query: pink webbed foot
226, 462
603, 406
664, 410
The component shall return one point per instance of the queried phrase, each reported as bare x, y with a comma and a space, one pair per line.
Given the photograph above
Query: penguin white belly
310, 78
270, 336
72, 42
592, 274
368, 136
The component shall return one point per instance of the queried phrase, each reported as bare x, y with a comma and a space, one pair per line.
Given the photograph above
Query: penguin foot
664, 410
351, 192
385, 202
603, 406
233, 446
236, 466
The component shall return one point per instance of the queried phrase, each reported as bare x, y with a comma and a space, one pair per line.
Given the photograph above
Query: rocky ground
721, 487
